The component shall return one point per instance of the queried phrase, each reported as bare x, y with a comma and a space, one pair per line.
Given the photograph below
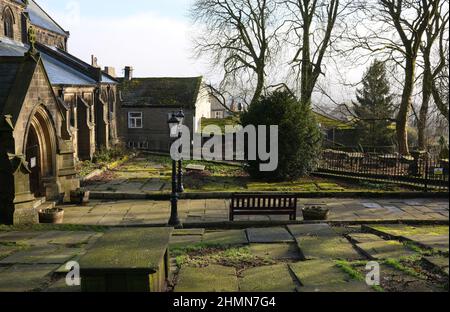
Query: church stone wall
17, 14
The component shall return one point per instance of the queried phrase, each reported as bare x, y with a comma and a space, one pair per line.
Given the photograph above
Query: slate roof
82, 66
40, 18
61, 74
8, 73
57, 64
16, 74
179, 92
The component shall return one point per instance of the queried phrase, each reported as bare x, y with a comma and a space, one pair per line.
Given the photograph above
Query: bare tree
440, 88
312, 24
435, 32
395, 29
240, 36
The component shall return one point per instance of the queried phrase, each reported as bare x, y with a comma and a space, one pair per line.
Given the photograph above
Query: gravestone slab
269, 235
358, 238
213, 278
321, 229
17, 237
225, 238
152, 186
5, 251
437, 242
44, 238
276, 251
145, 254
324, 276
61, 286
379, 250
400, 230
22, 278
440, 263
184, 240
133, 260
347, 287
272, 278
42, 255
72, 238
314, 247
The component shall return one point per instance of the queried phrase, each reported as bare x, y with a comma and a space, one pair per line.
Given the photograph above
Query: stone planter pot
52, 216
315, 213
79, 197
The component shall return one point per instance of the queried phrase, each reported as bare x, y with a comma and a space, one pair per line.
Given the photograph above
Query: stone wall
16, 10
50, 38
41, 112
155, 130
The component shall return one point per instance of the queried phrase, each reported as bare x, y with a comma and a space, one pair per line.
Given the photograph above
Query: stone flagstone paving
213, 278
139, 212
273, 278
269, 235
327, 248
381, 250
324, 275
276, 263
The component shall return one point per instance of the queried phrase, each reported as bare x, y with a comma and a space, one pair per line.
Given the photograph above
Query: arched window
8, 22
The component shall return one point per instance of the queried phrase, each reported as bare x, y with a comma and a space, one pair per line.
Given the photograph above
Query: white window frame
132, 121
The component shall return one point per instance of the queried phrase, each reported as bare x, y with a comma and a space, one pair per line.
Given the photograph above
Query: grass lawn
218, 177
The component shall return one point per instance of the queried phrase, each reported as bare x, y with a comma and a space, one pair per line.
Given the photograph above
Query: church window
8, 22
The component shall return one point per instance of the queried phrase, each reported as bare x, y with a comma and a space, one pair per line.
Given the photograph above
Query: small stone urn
79, 197
51, 216
315, 213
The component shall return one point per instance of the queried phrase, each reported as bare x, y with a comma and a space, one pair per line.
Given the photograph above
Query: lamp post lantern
180, 187
174, 221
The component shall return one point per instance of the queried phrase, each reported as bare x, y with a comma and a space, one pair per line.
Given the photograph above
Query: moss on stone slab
225, 238
327, 248
137, 249
272, 278
212, 278
380, 250
406, 230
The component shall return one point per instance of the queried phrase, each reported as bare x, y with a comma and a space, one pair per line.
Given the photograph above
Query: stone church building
55, 109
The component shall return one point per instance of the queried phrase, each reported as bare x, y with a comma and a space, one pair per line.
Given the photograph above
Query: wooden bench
127, 260
257, 204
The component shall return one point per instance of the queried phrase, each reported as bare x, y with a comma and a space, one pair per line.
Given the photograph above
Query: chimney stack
128, 73
110, 71
94, 62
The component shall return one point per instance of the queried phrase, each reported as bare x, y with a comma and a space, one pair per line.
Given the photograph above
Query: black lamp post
174, 221
180, 186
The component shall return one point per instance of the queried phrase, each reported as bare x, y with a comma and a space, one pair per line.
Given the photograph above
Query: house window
8, 22
135, 120
218, 115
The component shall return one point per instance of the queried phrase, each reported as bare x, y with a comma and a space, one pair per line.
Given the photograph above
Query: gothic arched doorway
33, 158
40, 151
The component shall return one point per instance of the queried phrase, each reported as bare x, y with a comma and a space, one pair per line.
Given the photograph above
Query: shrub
299, 140
104, 155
